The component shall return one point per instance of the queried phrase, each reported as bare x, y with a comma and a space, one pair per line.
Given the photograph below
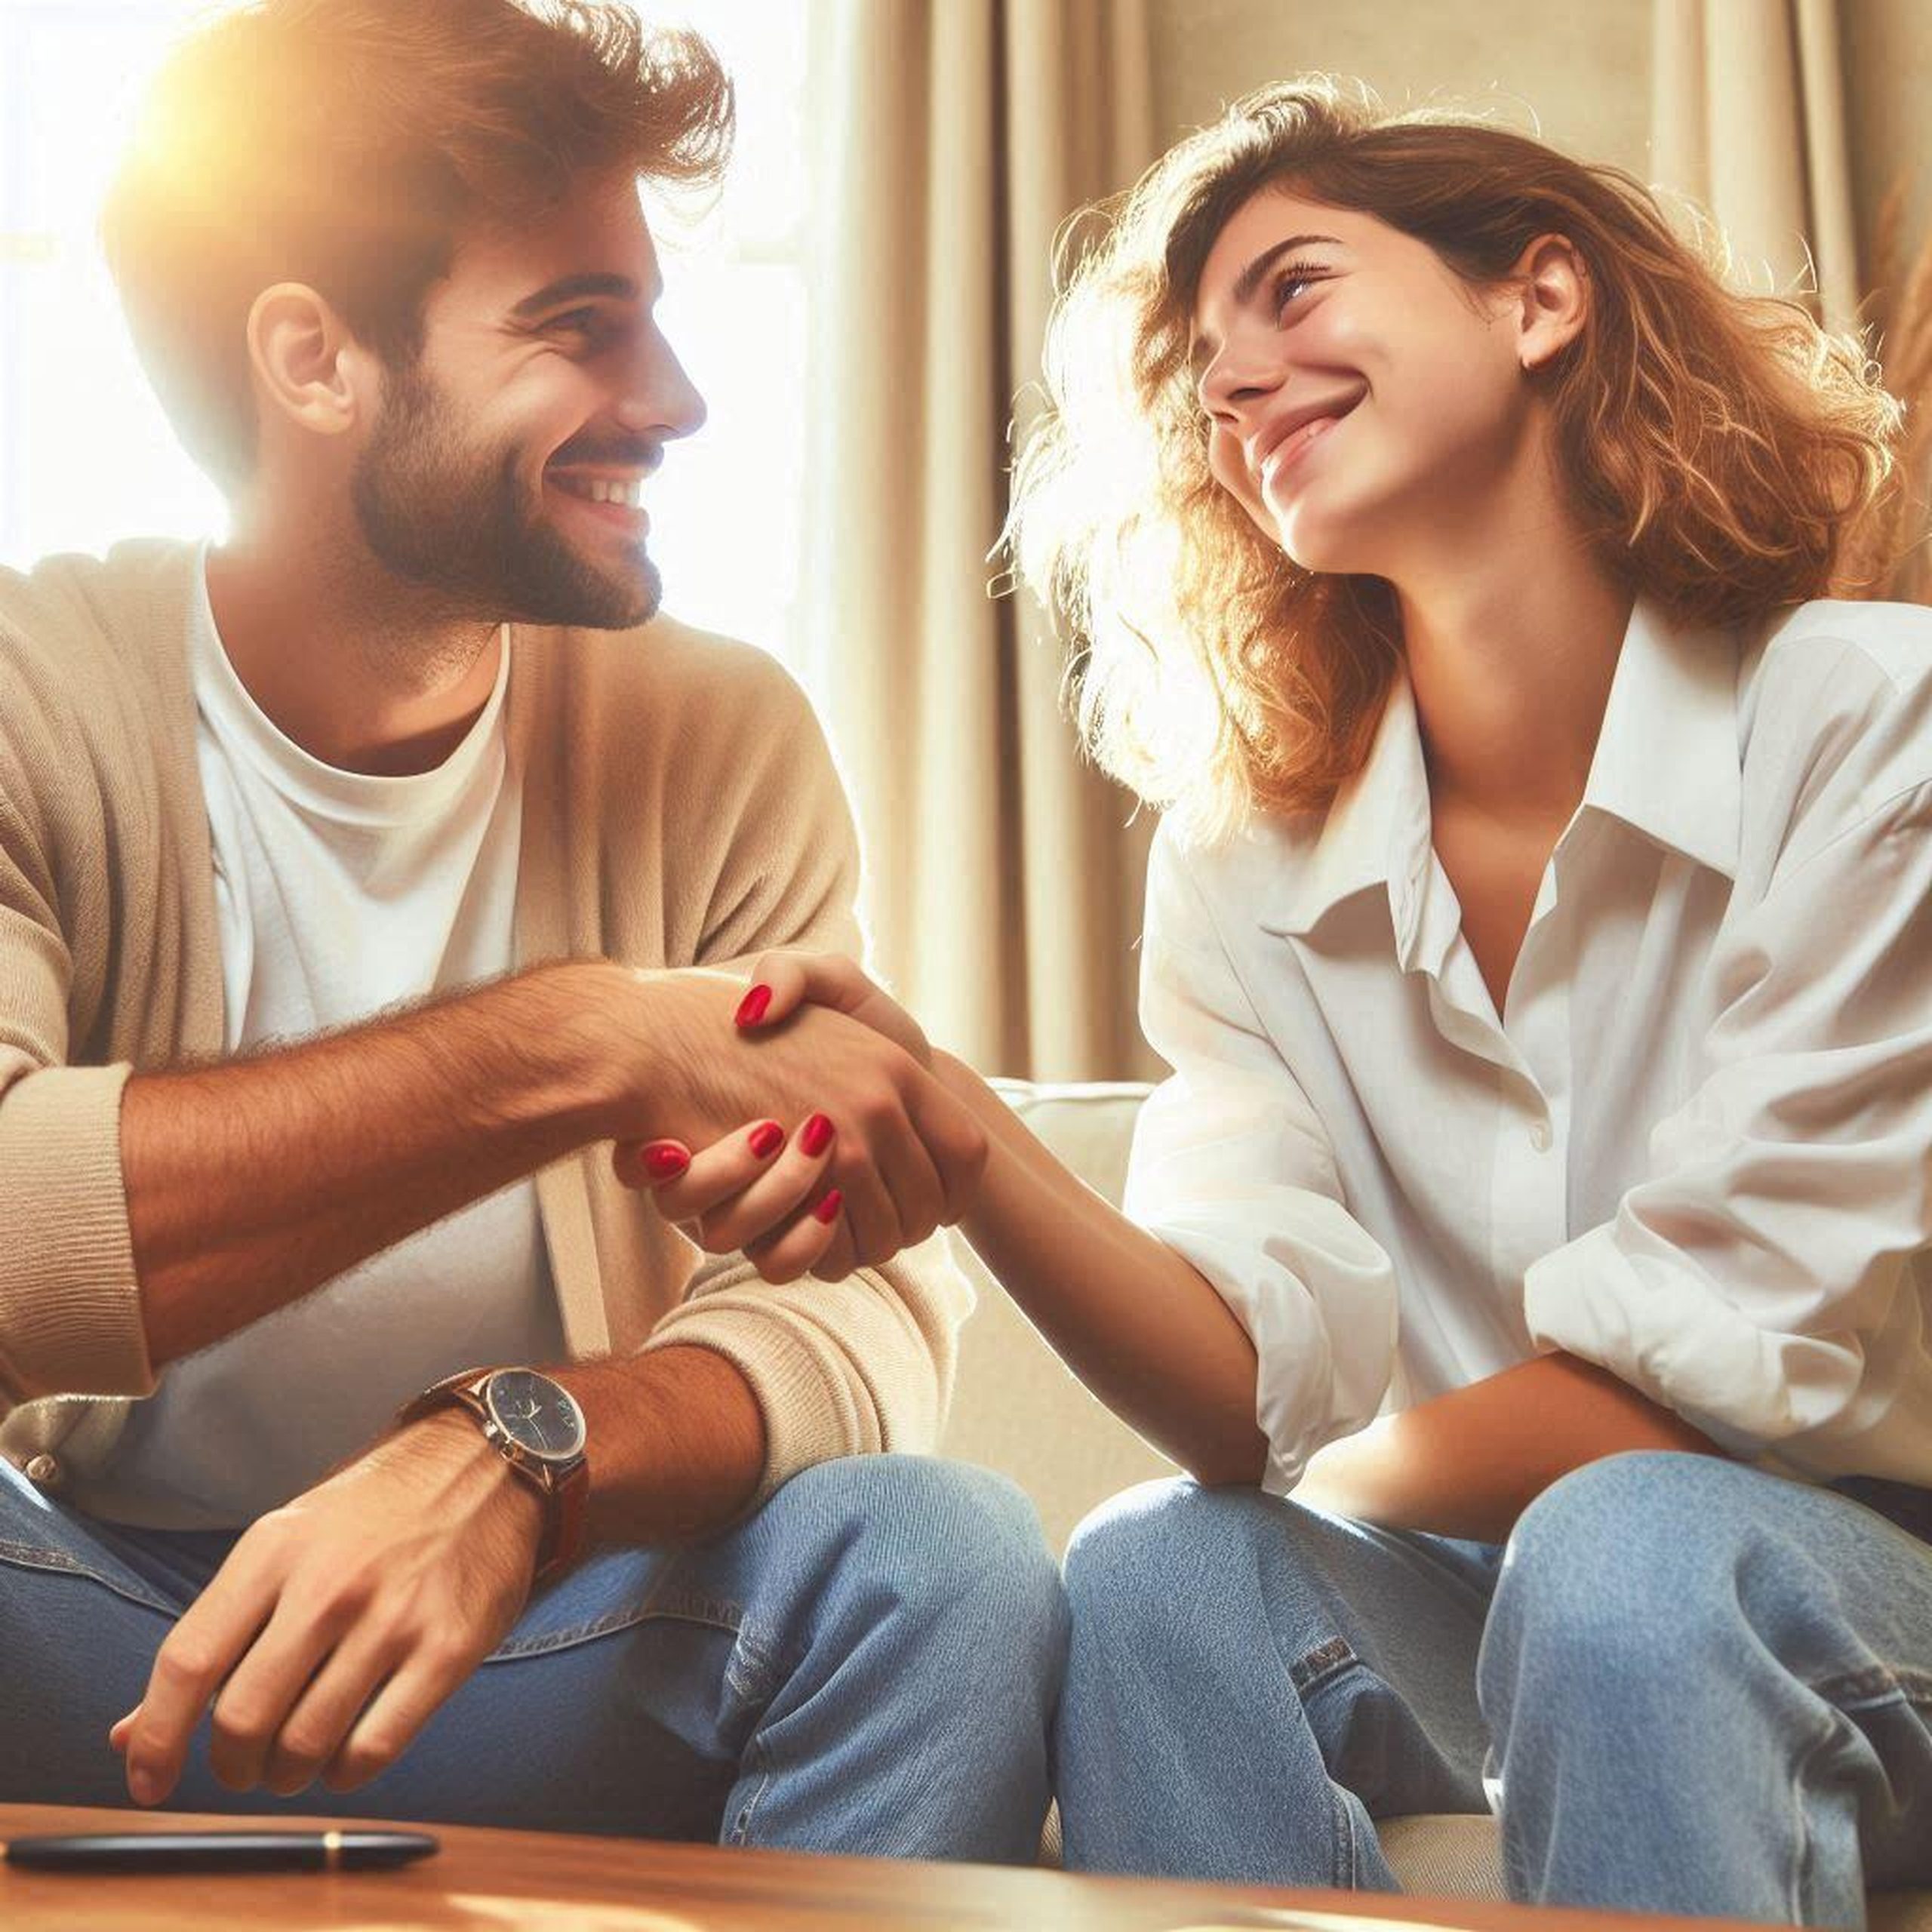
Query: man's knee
943, 1540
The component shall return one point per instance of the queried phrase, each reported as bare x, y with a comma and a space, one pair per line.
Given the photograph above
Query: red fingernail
816, 1137
767, 1138
827, 1210
752, 1007
665, 1160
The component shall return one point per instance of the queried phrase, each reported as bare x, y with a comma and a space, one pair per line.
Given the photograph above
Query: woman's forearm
1469, 1463
1139, 1325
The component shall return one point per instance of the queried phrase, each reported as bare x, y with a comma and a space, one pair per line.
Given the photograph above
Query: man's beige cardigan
680, 808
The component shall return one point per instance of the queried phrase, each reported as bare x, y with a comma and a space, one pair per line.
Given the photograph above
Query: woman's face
1362, 396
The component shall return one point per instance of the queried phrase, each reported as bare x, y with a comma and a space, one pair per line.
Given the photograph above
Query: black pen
221, 1851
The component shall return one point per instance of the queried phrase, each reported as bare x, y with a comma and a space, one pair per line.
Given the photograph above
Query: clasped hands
340, 1623
836, 1193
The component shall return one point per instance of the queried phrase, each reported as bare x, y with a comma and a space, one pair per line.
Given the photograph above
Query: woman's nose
1237, 377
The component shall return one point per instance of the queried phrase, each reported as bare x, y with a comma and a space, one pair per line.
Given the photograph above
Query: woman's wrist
966, 1086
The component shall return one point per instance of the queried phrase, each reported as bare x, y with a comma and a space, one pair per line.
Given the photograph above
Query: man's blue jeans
1694, 1688
867, 1665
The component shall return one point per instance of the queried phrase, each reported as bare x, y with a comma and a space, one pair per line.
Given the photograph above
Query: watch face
538, 1415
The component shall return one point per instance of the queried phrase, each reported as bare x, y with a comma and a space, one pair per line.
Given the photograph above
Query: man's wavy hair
1718, 447
347, 144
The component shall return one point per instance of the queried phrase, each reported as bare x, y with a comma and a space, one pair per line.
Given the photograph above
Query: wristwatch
535, 1425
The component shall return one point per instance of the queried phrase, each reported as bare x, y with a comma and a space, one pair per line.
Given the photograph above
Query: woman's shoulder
1834, 714
1806, 646
1251, 875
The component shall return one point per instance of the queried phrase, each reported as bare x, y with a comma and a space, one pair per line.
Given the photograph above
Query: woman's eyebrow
1203, 346
1250, 277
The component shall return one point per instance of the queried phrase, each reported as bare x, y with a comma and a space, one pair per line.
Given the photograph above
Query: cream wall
1580, 68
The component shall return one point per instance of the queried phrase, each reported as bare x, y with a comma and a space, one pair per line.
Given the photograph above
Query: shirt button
43, 1469
1540, 1135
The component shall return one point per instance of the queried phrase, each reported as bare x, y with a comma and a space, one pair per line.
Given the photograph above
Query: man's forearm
252, 1181
677, 1444
1468, 1463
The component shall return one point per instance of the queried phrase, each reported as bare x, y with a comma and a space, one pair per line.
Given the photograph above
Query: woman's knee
1623, 1561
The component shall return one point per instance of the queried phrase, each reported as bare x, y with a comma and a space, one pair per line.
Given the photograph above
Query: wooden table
537, 1881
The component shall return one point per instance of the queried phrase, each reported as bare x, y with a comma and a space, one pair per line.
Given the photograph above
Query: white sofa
1016, 1409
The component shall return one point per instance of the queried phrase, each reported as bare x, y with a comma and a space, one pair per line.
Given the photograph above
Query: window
86, 458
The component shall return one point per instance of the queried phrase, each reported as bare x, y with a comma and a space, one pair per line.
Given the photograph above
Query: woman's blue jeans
867, 1665
1688, 1687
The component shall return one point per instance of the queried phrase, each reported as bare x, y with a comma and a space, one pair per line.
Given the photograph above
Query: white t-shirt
338, 894
1693, 1146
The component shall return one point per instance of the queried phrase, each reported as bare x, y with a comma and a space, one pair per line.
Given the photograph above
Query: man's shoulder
71, 614
695, 697
670, 670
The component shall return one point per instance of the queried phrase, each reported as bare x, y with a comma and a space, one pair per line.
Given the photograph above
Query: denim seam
756, 1660
32, 1557
717, 1616
1803, 1862
1345, 1869
1874, 1684
741, 1826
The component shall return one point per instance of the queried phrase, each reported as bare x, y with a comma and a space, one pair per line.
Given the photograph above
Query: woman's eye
1289, 284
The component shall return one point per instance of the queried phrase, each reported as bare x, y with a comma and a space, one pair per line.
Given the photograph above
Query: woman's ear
308, 366
1554, 300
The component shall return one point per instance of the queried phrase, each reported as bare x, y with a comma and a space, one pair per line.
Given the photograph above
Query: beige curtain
1748, 118
1003, 879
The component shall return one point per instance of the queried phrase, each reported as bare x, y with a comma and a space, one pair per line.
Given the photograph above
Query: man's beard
435, 513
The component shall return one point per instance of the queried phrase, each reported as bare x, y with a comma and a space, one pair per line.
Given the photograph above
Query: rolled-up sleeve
70, 1316
1769, 1279
1232, 1169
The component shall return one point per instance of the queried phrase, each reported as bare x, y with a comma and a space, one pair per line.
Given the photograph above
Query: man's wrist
606, 1041
449, 1444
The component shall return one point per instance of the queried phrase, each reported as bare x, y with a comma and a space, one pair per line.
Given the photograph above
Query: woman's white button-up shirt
1696, 1146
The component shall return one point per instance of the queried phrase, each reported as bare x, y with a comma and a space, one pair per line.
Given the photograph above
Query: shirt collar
1666, 763
1668, 760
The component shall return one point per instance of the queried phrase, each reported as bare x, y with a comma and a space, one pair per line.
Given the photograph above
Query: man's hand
340, 1622
907, 1155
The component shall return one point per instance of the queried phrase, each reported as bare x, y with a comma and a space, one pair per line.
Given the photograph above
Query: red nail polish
767, 1138
665, 1160
827, 1210
816, 1137
752, 1007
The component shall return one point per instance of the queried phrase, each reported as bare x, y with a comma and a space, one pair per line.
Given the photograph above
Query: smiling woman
88, 458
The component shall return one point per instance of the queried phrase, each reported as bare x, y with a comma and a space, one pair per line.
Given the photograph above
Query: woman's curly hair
1718, 447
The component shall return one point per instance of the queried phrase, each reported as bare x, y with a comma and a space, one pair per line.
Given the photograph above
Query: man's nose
661, 401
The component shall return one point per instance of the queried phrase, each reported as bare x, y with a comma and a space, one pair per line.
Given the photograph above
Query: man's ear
1555, 299
308, 366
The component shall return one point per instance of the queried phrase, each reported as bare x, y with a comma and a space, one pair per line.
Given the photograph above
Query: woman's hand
788, 980
740, 1192
753, 1191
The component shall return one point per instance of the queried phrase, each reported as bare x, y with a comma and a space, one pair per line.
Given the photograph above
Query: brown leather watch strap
566, 1519
565, 1492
